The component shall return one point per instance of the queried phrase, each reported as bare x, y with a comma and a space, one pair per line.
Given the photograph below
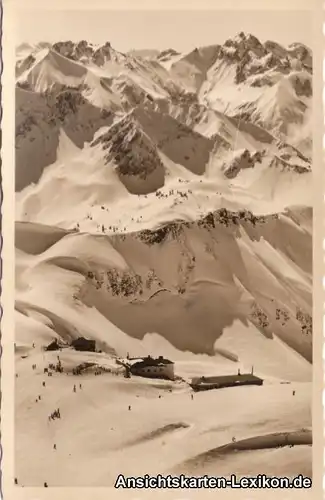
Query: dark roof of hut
149, 361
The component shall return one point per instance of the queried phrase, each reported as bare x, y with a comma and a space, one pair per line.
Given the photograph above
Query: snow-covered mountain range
164, 206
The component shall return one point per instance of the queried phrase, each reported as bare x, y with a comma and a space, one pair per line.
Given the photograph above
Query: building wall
165, 371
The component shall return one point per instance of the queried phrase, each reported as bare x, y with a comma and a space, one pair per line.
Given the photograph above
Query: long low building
219, 382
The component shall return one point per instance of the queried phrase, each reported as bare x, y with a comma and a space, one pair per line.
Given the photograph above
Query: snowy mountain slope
50, 68
107, 288
164, 207
278, 108
206, 262
245, 70
123, 81
159, 419
93, 183
192, 68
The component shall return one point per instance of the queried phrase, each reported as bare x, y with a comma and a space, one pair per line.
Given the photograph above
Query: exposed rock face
135, 156
302, 86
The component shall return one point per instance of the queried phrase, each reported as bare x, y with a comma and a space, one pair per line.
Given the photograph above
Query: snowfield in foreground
163, 208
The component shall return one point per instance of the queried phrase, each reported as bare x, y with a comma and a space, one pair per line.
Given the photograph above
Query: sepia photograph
163, 245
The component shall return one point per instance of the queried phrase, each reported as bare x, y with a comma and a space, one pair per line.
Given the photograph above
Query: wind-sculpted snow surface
163, 207
184, 275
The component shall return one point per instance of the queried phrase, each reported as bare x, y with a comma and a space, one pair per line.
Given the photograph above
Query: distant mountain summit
176, 105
